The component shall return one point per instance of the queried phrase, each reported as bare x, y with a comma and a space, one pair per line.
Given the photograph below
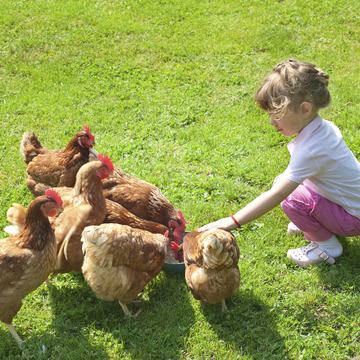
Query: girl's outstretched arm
280, 190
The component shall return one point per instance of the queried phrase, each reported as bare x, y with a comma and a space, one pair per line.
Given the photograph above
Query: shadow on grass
88, 327
344, 275
64, 338
247, 326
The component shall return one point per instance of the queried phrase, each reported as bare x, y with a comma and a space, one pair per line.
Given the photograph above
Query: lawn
167, 89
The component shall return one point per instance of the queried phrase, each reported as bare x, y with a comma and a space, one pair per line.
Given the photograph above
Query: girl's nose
272, 122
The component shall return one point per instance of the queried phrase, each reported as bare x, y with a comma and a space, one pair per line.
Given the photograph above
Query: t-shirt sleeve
302, 165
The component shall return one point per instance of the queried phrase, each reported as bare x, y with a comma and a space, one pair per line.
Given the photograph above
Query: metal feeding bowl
176, 267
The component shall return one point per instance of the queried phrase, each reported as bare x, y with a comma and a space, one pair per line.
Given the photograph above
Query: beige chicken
211, 265
119, 261
16, 216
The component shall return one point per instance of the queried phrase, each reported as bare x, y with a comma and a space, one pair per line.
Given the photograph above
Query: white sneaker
301, 255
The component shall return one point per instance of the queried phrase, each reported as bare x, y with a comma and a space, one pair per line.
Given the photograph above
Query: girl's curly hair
291, 83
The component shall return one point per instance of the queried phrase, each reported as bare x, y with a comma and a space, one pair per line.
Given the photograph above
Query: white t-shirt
321, 159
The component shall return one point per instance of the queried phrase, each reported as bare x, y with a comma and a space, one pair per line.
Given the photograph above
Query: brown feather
143, 199
53, 168
121, 260
84, 205
116, 213
211, 264
26, 259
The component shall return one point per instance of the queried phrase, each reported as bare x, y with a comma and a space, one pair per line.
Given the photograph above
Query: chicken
55, 168
119, 261
144, 200
27, 259
116, 213
211, 265
84, 205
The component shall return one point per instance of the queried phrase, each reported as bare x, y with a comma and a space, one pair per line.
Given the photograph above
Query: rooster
211, 265
144, 200
119, 261
27, 259
55, 168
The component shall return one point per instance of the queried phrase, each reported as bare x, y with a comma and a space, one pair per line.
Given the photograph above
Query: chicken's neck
37, 231
73, 148
90, 189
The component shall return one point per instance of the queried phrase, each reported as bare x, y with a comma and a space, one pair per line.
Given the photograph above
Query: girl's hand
224, 224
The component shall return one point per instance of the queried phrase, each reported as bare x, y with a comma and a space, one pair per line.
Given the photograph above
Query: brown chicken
55, 168
211, 265
144, 200
116, 213
84, 205
119, 261
27, 259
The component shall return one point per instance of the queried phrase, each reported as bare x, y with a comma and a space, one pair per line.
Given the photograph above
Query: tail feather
16, 216
12, 230
30, 146
220, 250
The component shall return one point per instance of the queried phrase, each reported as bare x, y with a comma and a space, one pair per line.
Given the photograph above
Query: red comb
88, 132
182, 220
53, 194
166, 233
106, 161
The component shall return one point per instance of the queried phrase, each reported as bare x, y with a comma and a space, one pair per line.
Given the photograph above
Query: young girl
320, 189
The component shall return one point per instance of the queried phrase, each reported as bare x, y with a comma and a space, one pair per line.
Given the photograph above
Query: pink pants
317, 217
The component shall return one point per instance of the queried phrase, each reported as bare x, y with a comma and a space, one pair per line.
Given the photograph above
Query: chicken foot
223, 304
127, 311
15, 335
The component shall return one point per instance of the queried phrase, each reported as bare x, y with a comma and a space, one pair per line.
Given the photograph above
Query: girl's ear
306, 109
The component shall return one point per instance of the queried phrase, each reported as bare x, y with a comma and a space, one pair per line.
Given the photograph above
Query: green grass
167, 88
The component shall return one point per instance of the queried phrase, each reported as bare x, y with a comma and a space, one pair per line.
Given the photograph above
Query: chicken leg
223, 305
127, 311
15, 335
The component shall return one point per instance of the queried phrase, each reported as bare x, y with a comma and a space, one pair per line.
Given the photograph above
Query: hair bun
324, 78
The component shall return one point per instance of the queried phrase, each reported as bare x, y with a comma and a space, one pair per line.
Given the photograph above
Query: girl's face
291, 123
